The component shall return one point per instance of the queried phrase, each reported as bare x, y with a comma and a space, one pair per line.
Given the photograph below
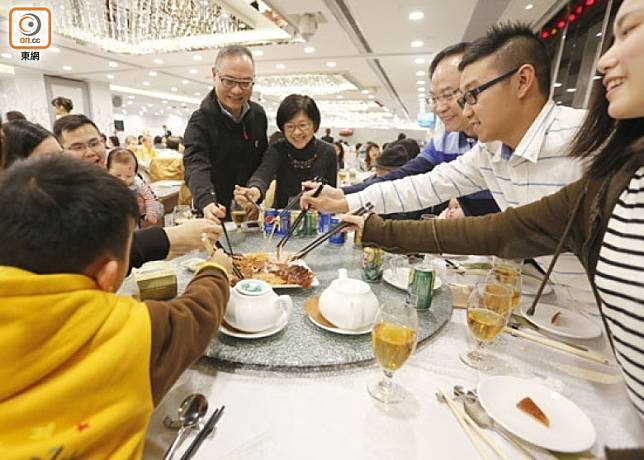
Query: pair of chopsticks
210, 250
208, 428
548, 342
470, 427
322, 238
294, 202
297, 221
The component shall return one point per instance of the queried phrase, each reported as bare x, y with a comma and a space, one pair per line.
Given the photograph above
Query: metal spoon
192, 409
474, 409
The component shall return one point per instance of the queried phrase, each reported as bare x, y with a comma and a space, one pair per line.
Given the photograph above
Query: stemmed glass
508, 272
488, 309
393, 339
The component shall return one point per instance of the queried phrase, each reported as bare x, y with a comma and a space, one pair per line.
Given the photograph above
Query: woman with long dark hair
23, 138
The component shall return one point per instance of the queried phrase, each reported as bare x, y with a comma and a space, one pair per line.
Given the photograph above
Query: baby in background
122, 163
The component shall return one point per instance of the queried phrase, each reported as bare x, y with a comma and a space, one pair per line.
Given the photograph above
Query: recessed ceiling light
258, 53
110, 76
419, 60
197, 57
197, 93
6, 55
598, 34
597, 77
416, 43
150, 104
529, 6
124, 112
280, 66
184, 82
557, 84
571, 90
331, 64
130, 102
156, 114
309, 50
416, 15
164, 102
152, 73
130, 96
67, 67
158, 61
54, 49
420, 73
192, 71
420, 82
421, 89
146, 83
174, 89
340, 96
371, 96
113, 64
365, 91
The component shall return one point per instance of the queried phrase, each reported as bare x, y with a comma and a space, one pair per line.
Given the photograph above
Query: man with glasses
523, 139
226, 137
449, 144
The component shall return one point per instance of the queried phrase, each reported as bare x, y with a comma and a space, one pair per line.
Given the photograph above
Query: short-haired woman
299, 157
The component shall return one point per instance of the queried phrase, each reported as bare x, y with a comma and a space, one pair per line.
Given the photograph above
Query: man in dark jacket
226, 137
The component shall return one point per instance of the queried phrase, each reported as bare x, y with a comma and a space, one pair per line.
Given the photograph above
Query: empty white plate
570, 428
572, 325
281, 324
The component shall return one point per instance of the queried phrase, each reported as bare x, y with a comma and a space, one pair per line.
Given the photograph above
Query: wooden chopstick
460, 417
590, 355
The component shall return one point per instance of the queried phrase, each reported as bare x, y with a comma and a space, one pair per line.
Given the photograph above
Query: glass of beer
237, 213
181, 214
393, 340
488, 309
508, 271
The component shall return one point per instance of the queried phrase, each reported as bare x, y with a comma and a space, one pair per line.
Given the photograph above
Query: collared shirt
245, 108
539, 166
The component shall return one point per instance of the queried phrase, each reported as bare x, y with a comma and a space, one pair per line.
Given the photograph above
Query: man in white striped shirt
523, 140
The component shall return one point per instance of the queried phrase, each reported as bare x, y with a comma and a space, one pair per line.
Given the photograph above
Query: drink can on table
285, 217
357, 238
372, 264
310, 223
339, 238
270, 216
421, 283
299, 231
324, 222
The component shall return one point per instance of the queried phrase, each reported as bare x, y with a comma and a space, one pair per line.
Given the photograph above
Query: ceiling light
529, 6
365, 91
419, 60
416, 44
54, 49
158, 61
598, 34
281, 85
184, 82
197, 57
174, 89
280, 66
571, 90
152, 73
331, 64
67, 67
420, 73
131, 96
130, 102
192, 71
124, 112
150, 105
557, 84
420, 82
258, 53
416, 15
340, 96
146, 83
156, 114
421, 89
197, 93
371, 96
113, 64
164, 102
309, 50
110, 76
6, 55
597, 77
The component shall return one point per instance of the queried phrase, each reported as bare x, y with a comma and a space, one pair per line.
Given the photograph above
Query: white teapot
349, 303
254, 306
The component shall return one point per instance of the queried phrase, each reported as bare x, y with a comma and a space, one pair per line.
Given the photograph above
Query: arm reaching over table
330, 200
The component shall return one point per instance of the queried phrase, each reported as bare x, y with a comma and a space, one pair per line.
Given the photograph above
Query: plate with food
563, 322
537, 414
280, 274
399, 278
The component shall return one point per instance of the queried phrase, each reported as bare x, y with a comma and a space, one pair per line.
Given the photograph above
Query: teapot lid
251, 287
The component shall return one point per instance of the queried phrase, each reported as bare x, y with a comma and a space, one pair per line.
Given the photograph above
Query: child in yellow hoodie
82, 368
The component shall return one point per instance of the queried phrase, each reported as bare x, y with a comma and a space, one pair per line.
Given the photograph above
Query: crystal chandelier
153, 26
310, 84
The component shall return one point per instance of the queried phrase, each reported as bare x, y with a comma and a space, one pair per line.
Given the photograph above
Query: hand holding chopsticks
211, 250
297, 222
208, 428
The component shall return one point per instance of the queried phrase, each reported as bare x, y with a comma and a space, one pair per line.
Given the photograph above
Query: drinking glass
182, 213
508, 271
237, 213
393, 340
488, 309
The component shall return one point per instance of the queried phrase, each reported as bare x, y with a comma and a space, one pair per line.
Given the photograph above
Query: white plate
531, 286
570, 428
400, 281
337, 330
281, 324
572, 325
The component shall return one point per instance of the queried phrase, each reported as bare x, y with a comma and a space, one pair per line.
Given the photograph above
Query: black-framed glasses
470, 97
230, 83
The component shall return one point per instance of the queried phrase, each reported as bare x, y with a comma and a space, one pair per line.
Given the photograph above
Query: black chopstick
321, 239
299, 219
203, 433
294, 202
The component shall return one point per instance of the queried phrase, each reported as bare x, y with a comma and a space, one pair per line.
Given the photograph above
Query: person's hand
356, 221
221, 258
151, 217
330, 199
245, 197
214, 212
187, 236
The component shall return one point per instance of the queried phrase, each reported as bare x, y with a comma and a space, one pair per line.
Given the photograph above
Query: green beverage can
421, 284
299, 231
372, 264
311, 223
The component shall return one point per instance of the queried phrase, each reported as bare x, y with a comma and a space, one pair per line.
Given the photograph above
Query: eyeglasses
94, 144
230, 83
290, 127
445, 97
470, 97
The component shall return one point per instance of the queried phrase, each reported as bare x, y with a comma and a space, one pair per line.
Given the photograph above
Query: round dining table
326, 412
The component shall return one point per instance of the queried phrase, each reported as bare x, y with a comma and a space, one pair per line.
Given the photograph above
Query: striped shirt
620, 282
538, 167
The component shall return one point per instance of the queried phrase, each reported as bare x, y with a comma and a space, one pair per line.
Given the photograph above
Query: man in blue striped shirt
450, 144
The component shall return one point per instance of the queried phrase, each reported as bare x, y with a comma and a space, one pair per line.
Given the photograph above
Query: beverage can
310, 223
299, 231
324, 222
283, 224
421, 284
357, 238
339, 238
270, 215
372, 266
